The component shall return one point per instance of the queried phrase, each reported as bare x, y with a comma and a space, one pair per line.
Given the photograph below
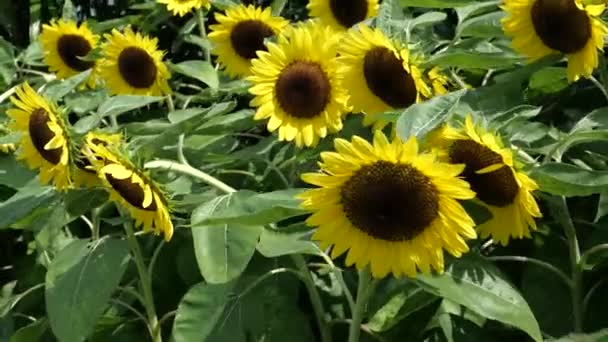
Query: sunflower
132, 189
543, 27
378, 75
183, 7
85, 174
342, 14
64, 44
389, 206
44, 143
500, 186
240, 33
132, 64
296, 85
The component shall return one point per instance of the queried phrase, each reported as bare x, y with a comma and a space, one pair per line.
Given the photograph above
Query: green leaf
80, 201
251, 208
84, 102
474, 60
276, 243
478, 285
185, 114
114, 105
569, 180
435, 3
201, 70
199, 311
69, 12
598, 118
278, 6
549, 80
602, 206
421, 118
79, 283
13, 173
222, 250
598, 336
578, 137
27, 199
404, 303
483, 26
57, 89
30, 333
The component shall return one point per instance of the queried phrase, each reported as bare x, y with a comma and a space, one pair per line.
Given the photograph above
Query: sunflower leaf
436, 3
569, 180
201, 70
478, 285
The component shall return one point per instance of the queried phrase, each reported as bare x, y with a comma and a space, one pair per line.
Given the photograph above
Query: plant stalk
201, 25
189, 170
145, 281
364, 290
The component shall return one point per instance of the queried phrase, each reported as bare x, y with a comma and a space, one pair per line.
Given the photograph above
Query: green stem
201, 25
315, 298
96, 223
364, 290
562, 215
145, 281
563, 276
189, 170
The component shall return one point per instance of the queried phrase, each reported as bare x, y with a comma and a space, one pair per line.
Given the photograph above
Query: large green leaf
569, 180
436, 3
251, 208
199, 311
30, 333
79, 283
222, 250
26, 200
201, 70
57, 89
13, 173
276, 243
485, 26
475, 60
478, 285
421, 118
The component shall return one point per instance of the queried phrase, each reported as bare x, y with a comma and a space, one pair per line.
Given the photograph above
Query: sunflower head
85, 174
64, 44
183, 7
342, 14
389, 206
379, 75
542, 27
297, 87
134, 190
498, 184
240, 33
44, 143
132, 64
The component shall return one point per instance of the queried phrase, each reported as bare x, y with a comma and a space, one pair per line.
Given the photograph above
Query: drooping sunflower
134, 190
132, 64
64, 43
85, 174
44, 143
543, 27
297, 87
240, 33
378, 75
342, 14
500, 186
389, 206
183, 7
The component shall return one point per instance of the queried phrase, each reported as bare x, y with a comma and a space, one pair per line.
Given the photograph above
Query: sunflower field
303, 170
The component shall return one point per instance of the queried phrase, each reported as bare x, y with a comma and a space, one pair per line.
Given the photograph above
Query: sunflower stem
365, 289
562, 214
145, 282
201, 25
599, 85
315, 297
189, 170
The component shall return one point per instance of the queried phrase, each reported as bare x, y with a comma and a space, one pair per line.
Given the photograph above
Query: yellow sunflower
132, 64
183, 7
85, 174
543, 27
133, 190
342, 14
44, 143
64, 43
389, 206
240, 33
296, 85
378, 75
500, 186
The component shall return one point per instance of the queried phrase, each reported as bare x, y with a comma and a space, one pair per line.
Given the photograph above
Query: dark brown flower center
387, 78
393, 202
137, 67
561, 25
248, 36
497, 188
131, 192
71, 47
41, 134
303, 89
348, 12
